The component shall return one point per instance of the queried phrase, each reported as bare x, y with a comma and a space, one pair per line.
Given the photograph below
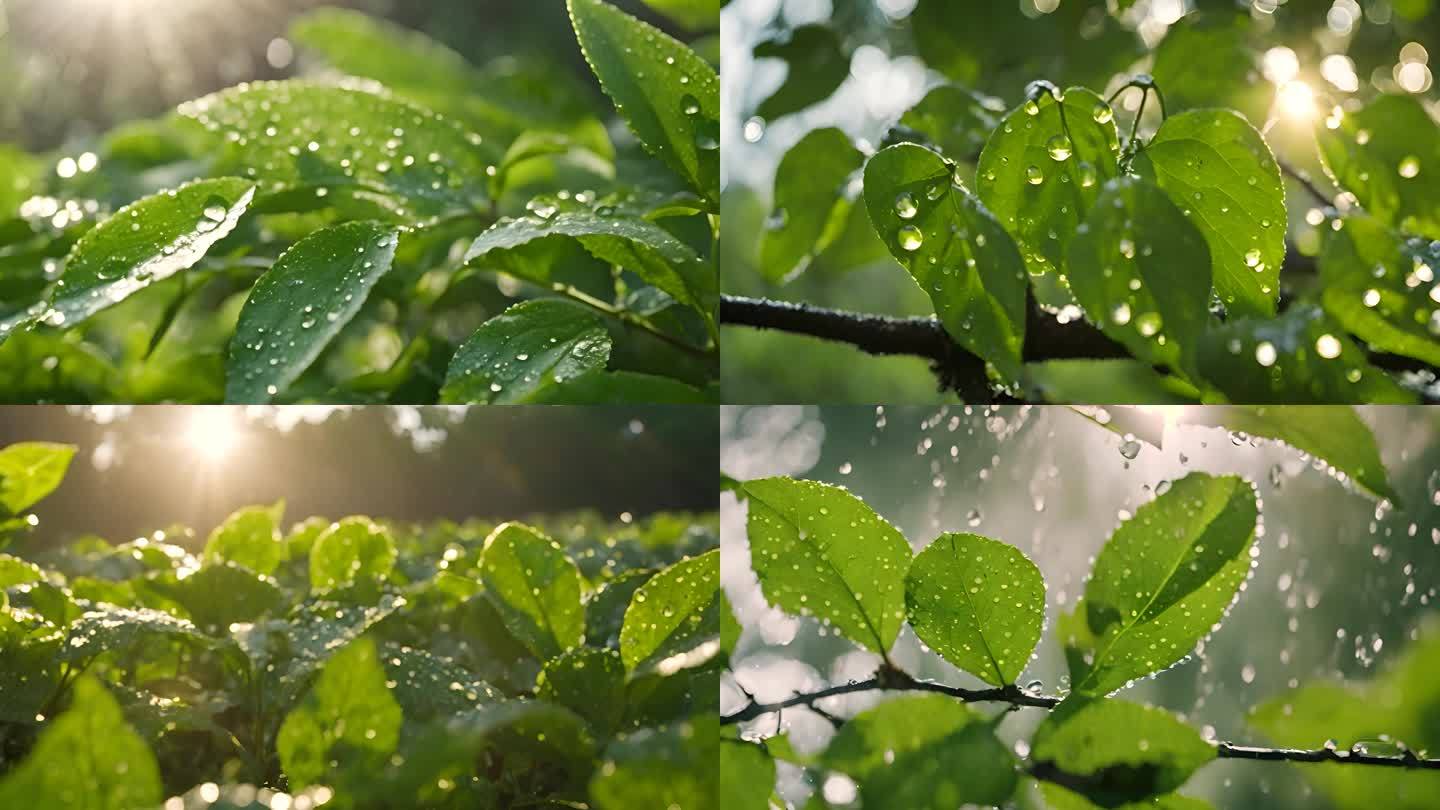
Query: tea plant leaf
928, 752
817, 66
146, 242
668, 95
348, 720
820, 551
1375, 286
667, 766
301, 303
1387, 154
29, 471
811, 201
88, 759
352, 552
589, 682
249, 537
1300, 357
1089, 746
297, 135
979, 603
697, 15
1104, 382
954, 119
1204, 60
954, 249
517, 355
674, 618
1166, 577
536, 588
1218, 169
1043, 169
1141, 272
747, 775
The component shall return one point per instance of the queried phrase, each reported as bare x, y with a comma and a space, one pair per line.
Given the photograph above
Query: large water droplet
1059, 148
905, 206
911, 238
1034, 175
1103, 113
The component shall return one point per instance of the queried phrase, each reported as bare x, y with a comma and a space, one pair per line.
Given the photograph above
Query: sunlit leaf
589, 682
31, 470
531, 347
1204, 61
1381, 287
1104, 382
536, 588
1388, 154
675, 616
351, 552
249, 537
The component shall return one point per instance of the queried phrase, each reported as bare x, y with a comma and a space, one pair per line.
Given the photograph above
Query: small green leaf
301, 303
606, 607
696, 15
600, 387
1090, 747
956, 120
15, 571
817, 66
29, 471
1218, 169
674, 618
820, 551
352, 552
530, 347
535, 587
1141, 271
1388, 155
1300, 357
589, 682
88, 759
1162, 582
668, 95
666, 766
246, 595
747, 775
1375, 285
1104, 382
146, 242
729, 626
979, 603
249, 537
1204, 60
347, 721
810, 199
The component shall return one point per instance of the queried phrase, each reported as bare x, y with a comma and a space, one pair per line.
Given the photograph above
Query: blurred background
1342, 589
141, 469
1303, 57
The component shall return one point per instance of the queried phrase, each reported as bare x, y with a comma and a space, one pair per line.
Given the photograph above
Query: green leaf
301, 303
811, 197
1058, 798
1218, 169
1388, 154
535, 587
589, 682
817, 66
1300, 357
15, 571
955, 250
1043, 215
674, 618
696, 15
668, 95
1204, 60
246, 595
979, 603
29, 471
249, 537
729, 626
299, 645
20, 171
517, 355
1141, 271
1089, 746
956, 120
1104, 382
106, 628
820, 551
669, 766
1162, 582
428, 686
146, 242
354, 551
926, 752
305, 136
606, 607
88, 759
1374, 284
747, 776
348, 720
600, 387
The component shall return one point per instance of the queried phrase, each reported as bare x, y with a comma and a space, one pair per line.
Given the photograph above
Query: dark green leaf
536, 588
589, 682
428, 687
107, 628
811, 201
1388, 155
697, 15
956, 120
1381, 287
532, 346
747, 776
31, 470
222, 593
817, 64
674, 619
670, 766
606, 607
1204, 61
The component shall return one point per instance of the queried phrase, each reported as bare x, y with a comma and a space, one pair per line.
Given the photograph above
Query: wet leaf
817, 66
1204, 61
956, 120
601, 387
1104, 382
674, 619
517, 355
354, 551
1381, 287
428, 686
536, 588
589, 682
249, 537
605, 608
1388, 155
667, 766
246, 595
747, 775
29, 471
811, 202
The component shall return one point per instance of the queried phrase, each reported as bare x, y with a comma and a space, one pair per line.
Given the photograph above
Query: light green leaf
105, 628
87, 759
1204, 60
674, 618
817, 66
535, 587
352, 552
1104, 382
589, 682
1374, 284
146, 242
667, 766
1300, 357
301, 303
222, 593
923, 752
696, 15
747, 775
1218, 169
820, 551
1089, 746
1058, 798
979, 603
955, 250
811, 201
1141, 271
1388, 155
956, 120
1162, 582
668, 95
15, 571
249, 537
19, 170
29, 471
729, 626
530, 347
348, 720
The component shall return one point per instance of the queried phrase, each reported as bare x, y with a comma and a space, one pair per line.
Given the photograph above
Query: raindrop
905, 206
1034, 175
1265, 353
911, 238
1059, 148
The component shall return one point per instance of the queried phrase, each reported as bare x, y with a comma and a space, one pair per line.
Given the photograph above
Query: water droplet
1265, 353
1409, 167
1120, 314
1328, 347
1252, 257
1103, 113
1087, 174
1127, 248
1034, 175
911, 238
905, 206
1371, 298
1059, 148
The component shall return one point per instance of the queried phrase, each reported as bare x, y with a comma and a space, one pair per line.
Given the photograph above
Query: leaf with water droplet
955, 120
1105, 382
354, 552
1383, 288
1394, 170
673, 765
589, 682
535, 587
29, 471
1207, 60
673, 621
558, 340
810, 188
1163, 580
249, 536
247, 595
602, 387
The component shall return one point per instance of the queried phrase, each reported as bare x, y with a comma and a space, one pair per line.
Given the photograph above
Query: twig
1306, 183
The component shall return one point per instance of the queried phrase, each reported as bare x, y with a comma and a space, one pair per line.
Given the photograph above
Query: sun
213, 433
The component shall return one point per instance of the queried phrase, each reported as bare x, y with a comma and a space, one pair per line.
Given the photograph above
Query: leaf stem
630, 319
